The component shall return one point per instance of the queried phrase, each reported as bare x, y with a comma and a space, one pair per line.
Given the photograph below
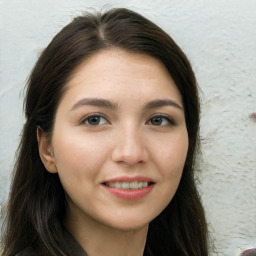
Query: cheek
171, 154
169, 160
78, 155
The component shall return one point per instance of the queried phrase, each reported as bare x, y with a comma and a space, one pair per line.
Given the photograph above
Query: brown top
72, 247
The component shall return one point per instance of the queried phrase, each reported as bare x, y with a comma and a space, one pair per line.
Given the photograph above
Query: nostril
129, 154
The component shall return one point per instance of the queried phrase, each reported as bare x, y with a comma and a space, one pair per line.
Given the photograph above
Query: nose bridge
130, 146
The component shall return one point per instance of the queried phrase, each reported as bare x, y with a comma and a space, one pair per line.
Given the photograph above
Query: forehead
111, 72
122, 60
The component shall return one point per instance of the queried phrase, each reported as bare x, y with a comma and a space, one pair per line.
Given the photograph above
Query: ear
45, 151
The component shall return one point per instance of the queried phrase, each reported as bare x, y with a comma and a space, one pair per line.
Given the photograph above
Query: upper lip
129, 179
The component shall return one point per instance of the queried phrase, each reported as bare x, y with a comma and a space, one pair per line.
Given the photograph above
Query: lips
128, 185
131, 188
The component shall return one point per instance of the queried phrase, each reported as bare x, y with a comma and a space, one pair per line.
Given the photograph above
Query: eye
94, 120
161, 120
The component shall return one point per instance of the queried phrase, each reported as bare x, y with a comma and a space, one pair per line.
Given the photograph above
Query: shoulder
28, 251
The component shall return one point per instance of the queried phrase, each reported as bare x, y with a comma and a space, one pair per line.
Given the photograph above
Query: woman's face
119, 140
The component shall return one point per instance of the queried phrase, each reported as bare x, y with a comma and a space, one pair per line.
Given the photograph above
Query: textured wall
219, 37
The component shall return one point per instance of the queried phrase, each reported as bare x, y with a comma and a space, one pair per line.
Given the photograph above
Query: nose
130, 147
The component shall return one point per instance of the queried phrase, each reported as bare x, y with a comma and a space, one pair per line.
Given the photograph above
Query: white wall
219, 37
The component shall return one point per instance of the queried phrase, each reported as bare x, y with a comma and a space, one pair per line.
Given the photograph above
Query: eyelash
165, 117
94, 115
162, 116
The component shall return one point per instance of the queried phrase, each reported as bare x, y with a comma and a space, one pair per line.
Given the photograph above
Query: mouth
134, 185
129, 188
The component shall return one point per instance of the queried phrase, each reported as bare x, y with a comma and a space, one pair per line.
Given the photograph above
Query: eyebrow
112, 105
162, 103
95, 102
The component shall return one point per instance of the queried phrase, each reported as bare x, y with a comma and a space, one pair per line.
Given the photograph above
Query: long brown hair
37, 202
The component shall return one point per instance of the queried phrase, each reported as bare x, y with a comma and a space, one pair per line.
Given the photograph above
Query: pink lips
129, 194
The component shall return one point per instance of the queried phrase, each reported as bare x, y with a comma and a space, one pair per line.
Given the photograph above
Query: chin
131, 228
130, 224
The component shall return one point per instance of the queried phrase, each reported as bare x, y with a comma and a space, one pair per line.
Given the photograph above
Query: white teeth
125, 185
117, 185
144, 184
111, 184
134, 185
128, 185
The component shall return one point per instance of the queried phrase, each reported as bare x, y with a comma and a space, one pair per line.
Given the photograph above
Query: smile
129, 188
128, 185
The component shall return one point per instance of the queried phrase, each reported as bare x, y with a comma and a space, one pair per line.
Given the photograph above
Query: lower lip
130, 194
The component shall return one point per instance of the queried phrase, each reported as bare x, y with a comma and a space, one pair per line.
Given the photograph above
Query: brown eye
95, 120
161, 120
157, 120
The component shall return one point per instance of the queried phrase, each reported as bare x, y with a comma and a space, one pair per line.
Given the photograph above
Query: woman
107, 156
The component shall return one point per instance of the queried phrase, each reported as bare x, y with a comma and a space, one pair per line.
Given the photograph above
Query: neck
98, 239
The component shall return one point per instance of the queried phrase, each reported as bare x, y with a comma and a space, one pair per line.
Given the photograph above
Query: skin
127, 139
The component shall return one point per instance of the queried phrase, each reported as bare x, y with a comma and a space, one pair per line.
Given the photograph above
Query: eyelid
166, 116
97, 114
